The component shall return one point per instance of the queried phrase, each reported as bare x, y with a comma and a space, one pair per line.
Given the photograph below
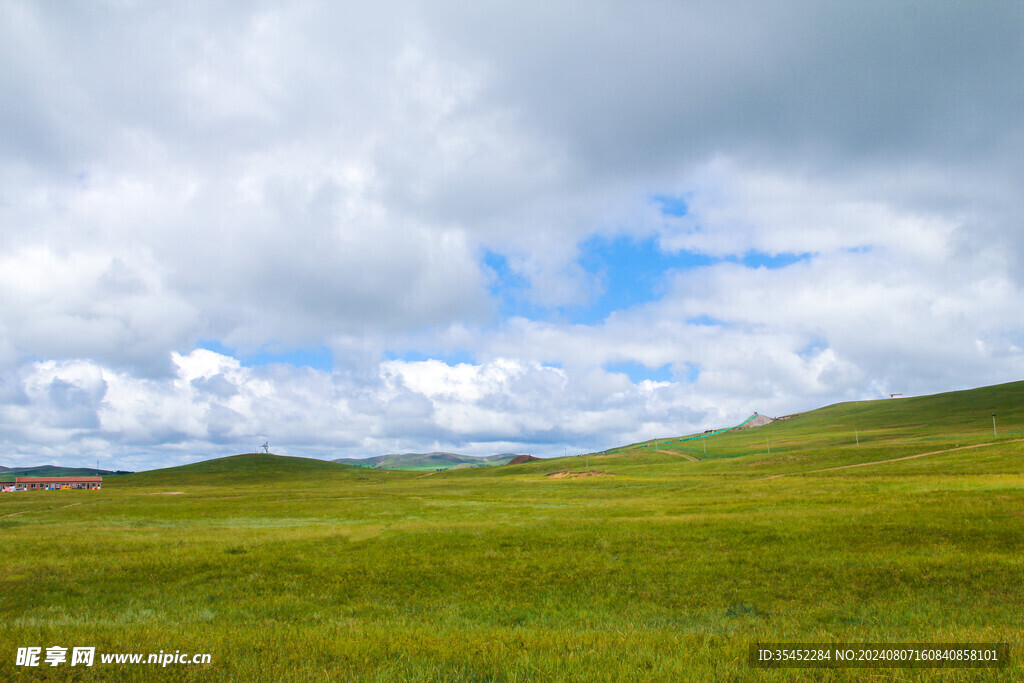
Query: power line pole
994, 425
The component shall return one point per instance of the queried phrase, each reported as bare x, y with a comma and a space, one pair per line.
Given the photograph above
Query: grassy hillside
247, 469
941, 420
427, 461
635, 565
9, 473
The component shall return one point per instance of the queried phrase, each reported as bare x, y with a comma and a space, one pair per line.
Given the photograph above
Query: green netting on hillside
719, 431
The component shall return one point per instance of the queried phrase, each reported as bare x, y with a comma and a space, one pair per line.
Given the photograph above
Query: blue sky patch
637, 372
452, 358
630, 272
705, 321
318, 358
760, 259
813, 347
692, 372
506, 280
671, 205
511, 289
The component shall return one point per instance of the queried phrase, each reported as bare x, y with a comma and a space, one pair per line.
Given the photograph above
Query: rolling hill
419, 461
861, 431
246, 468
9, 473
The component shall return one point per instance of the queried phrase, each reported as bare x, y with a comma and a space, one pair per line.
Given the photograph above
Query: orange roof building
46, 483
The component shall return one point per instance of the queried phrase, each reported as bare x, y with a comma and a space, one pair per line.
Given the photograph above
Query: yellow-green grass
659, 568
888, 427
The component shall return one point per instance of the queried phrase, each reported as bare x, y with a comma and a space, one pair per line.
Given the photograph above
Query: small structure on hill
55, 483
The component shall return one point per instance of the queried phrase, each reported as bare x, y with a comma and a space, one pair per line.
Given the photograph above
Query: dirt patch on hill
759, 421
520, 459
684, 455
565, 474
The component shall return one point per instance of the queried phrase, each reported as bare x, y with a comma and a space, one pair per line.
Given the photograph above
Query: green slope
864, 431
9, 473
421, 461
245, 469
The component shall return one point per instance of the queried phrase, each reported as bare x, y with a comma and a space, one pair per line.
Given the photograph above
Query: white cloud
734, 211
323, 176
111, 305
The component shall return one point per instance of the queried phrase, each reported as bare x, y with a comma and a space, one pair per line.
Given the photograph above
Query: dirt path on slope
905, 457
566, 474
688, 457
60, 507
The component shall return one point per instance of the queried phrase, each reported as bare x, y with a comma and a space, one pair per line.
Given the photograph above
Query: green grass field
659, 568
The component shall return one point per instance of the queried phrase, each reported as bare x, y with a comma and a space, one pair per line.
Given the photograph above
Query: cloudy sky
359, 228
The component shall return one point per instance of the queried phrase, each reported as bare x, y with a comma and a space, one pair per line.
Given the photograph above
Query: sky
351, 229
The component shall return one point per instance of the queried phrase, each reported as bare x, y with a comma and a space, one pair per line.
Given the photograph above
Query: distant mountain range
419, 461
9, 473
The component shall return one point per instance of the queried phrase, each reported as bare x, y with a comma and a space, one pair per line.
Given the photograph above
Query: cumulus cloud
74, 410
268, 179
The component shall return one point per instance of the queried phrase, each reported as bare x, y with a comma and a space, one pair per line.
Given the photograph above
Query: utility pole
993, 425
856, 436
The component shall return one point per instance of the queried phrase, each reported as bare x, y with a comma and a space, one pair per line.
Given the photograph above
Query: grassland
658, 568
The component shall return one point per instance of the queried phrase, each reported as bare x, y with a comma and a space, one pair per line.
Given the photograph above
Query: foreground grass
662, 569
